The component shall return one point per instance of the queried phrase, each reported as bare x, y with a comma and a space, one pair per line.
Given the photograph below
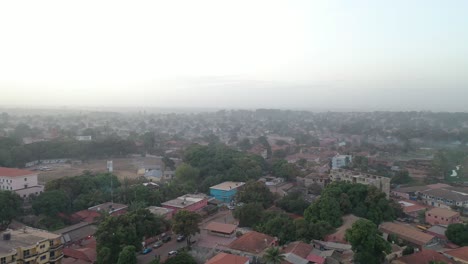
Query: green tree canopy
181, 258
127, 256
458, 234
186, 223
273, 255
293, 202
255, 192
51, 203
10, 207
248, 214
368, 246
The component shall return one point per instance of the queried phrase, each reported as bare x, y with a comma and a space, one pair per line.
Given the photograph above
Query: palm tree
273, 256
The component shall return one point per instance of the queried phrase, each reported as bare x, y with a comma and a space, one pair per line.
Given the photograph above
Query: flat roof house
225, 191
22, 182
189, 202
442, 216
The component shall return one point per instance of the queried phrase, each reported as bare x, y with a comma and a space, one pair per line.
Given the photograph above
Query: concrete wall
434, 219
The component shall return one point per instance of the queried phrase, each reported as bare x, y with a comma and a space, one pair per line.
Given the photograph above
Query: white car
230, 207
172, 252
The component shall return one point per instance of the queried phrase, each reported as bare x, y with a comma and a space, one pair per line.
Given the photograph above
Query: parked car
146, 250
172, 253
166, 239
230, 207
158, 244
180, 238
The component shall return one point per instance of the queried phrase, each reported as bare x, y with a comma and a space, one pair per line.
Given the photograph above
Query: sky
323, 55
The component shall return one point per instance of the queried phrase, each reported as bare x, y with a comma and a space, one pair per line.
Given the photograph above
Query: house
300, 253
30, 245
380, 182
460, 255
189, 202
340, 161
441, 216
76, 233
22, 182
314, 178
411, 209
224, 258
408, 234
225, 191
438, 231
446, 197
110, 208
253, 243
221, 229
79, 255
165, 213
423, 257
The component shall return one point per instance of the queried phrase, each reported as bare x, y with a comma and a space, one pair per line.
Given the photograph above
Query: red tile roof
11, 172
252, 242
424, 257
224, 258
315, 259
299, 248
86, 254
459, 253
86, 216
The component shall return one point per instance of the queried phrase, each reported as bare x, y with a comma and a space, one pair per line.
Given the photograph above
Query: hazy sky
330, 54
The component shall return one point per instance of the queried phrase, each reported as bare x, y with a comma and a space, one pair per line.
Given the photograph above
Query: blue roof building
225, 191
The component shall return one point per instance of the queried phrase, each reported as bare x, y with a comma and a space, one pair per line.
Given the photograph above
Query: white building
23, 182
339, 161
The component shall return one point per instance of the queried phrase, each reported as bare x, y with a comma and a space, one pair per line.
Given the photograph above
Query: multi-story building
442, 216
446, 197
189, 202
380, 182
225, 191
23, 182
340, 161
29, 245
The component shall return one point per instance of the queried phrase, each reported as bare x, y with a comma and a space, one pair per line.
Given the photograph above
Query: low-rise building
23, 182
423, 257
411, 209
460, 255
225, 258
29, 245
380, 182
166, 213
225, 191
189, 202
442, 216
314, 178
410, 235
110, 208
446, 197
340, 161
221, 229
253, 243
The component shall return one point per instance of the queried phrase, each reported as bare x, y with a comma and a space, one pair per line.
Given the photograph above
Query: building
225, 191
423, 257
189, 202
340, 161
314, 178
166, 213
300, 252
23, 182
224, 258
84, 138
380, 182
220, 229
446, 197
110, 208
253, 243
441, 216
460, 255
29, 245
410, 235
411, 209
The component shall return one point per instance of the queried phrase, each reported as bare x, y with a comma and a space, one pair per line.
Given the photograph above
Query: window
43, 257
42, 246
3, 260
26, 253
25, 179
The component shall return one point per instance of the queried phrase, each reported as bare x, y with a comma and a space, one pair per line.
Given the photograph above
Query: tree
248, 214
181, 258
293, 203
127, 256
401, 177
458, 234
244, 144
255, 192
186, 223
104, 255
51, 203
273, 256
368, 246
10, 207
408, 250
284, 169
168, 163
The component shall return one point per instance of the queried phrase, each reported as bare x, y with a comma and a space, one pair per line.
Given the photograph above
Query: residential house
110, 208
300, 253
29, 245
221, 229
23, 182
314, 178
225, 258
225, 191
442, 216
76, 233
411, 209
163, 212
380, 182
446, 197
79, 255
439, 232
423, 257
460, 255
253, 243
410, 235
189, 202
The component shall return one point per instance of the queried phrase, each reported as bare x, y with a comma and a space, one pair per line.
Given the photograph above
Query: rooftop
224, 258
253, 242
11, 172
159, 210
221, 228
185, 201
25, 237
108, 207
454, 195
442, 212
459, 253
85, 254
424, 257
406, 233
299, 248
226, 186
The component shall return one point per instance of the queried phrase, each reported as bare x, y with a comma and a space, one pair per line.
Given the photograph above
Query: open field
123, 168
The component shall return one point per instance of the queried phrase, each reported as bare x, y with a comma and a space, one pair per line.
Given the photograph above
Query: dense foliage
116, 232
218, 163
368, 245
10, 207
342, 198
255, 192
186, 223
283, 169
127, 256
181, 258
458, 234
294, 203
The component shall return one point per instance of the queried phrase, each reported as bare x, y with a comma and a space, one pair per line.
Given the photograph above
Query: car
146, 250
230, 207
158, 244
166, 239
180, 238
172, 253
